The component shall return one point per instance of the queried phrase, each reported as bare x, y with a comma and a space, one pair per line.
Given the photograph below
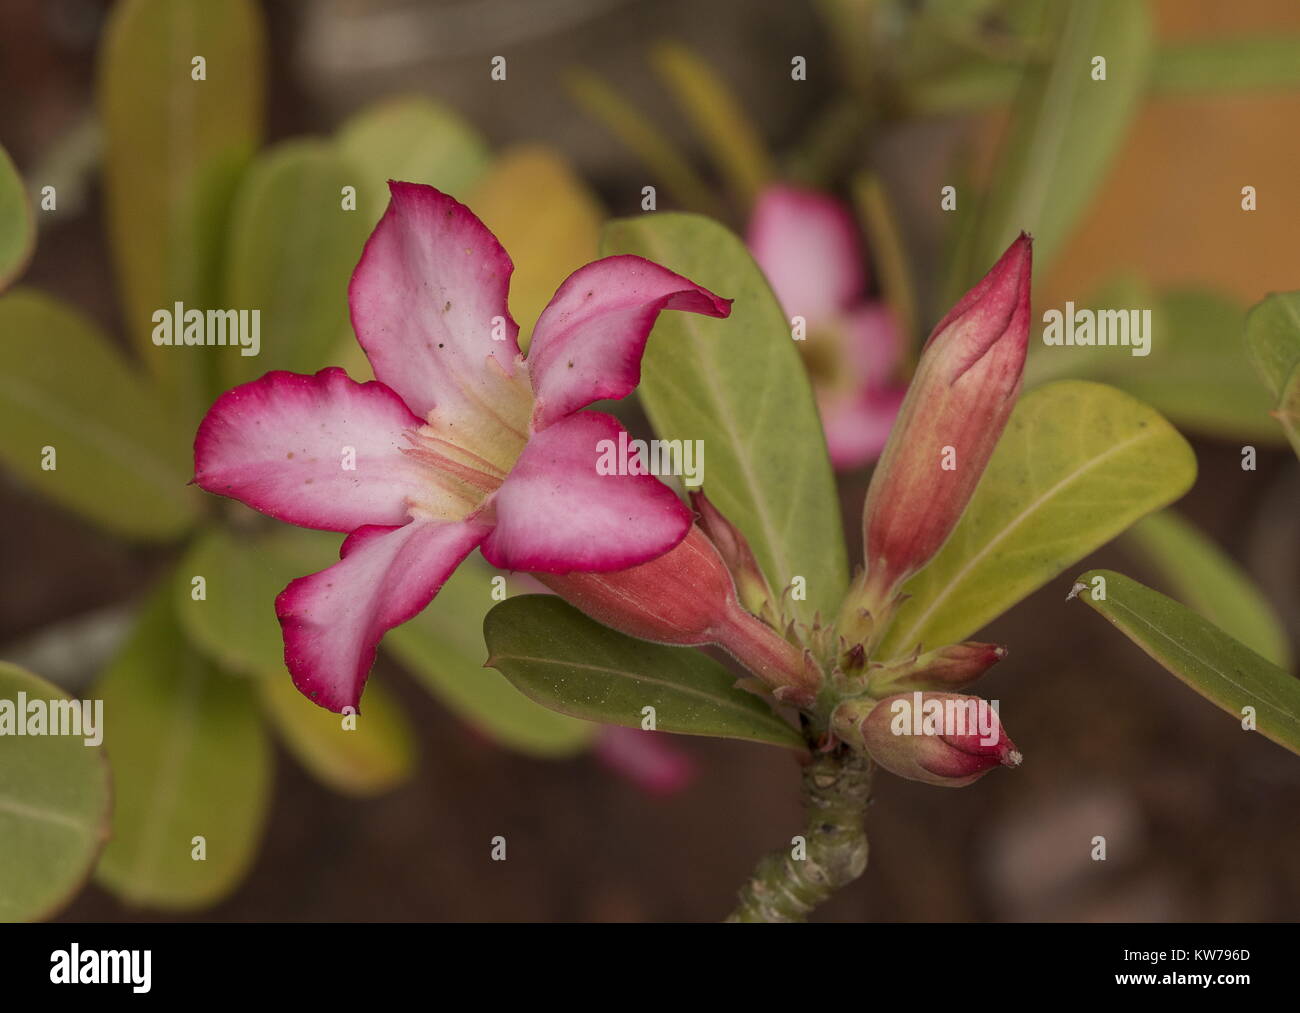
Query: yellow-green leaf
718, 118
1078, 463
739, 386
191, 768
174, 149
358, 754
17, 228
54, 797
1066, 126
411, 139
226, 590
546, 217
83, 428
292, 250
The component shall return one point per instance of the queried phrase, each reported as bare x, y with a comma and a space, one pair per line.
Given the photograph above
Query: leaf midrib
1016, 522
720, 701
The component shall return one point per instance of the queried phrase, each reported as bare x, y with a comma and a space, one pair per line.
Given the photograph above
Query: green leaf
234, 622
54, 801
292, 251
174, 149
443, 647
1078, 463
548, 220
1208, 580
1288, 409
410, 139
1221, 669
1194, 374
740, 387
119, 460
1233, 64
370, 758
17, 228
190, 759
1273, 338
1065, 129
574, 665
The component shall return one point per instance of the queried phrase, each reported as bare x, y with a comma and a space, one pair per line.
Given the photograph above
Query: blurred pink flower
807, 244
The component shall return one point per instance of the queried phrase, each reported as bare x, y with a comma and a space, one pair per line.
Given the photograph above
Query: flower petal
281, 445
857, 427
588, 342
556, 513
425, 298
332, 620
807, 245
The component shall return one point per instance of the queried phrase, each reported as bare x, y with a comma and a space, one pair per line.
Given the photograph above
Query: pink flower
459, 443
807, 245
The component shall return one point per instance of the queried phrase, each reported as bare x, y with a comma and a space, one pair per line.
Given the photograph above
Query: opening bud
944, 739
687, 597
958, 403
953, 667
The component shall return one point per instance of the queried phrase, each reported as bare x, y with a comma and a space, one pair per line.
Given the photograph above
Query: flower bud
965, 386
951, 667
944, 739
751, 584
687, 597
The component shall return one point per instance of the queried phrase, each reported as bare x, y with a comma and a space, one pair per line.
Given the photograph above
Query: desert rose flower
807, 245
460, 442
961, 396
944, 739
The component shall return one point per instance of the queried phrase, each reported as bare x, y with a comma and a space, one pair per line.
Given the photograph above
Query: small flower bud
959, 401
951, 667
687, 597
751, 585
943, 739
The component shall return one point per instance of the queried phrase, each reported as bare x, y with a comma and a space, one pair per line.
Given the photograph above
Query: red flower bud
956, 408
939, 738
687, 597
751, 584
951, 667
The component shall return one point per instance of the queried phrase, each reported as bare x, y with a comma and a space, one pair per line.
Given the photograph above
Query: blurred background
1202, 822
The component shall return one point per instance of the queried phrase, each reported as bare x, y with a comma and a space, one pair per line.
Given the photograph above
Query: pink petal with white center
807, 244
281, 445
429, 291
588, 342
333, 620
556, 512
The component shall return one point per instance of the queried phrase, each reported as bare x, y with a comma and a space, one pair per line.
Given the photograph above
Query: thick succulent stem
789, 882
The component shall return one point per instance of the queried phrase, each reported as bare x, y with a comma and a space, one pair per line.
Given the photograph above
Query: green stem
786, 887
